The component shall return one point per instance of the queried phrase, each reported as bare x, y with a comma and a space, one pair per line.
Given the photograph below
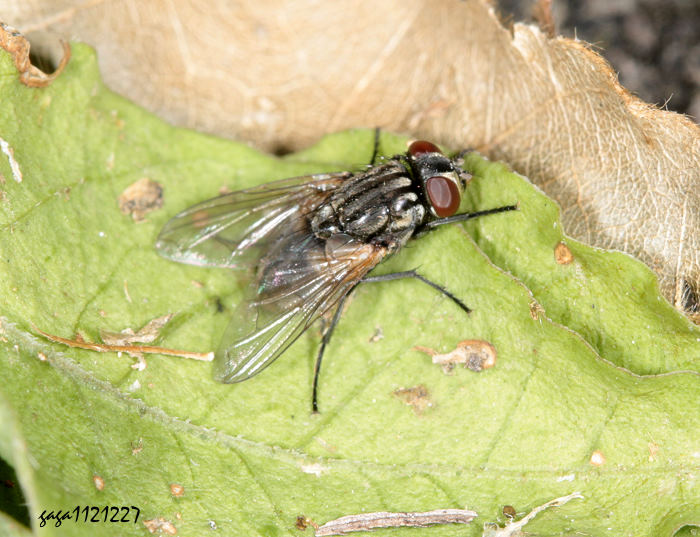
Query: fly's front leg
375, 150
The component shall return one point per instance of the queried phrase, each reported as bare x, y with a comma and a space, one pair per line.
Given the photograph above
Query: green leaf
606, 364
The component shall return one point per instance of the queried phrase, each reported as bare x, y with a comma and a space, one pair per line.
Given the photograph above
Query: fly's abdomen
284, 276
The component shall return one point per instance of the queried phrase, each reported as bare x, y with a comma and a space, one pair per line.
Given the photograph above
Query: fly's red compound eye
444, 195
420, 147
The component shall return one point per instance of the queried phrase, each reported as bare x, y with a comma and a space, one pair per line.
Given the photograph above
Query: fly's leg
414, 274
327, 333
463, 153
375, 150
462, 217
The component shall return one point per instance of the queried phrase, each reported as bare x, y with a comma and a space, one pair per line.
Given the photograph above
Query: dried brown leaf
18, 46
281, 73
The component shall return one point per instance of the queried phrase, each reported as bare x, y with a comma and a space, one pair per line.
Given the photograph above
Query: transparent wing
233, 230
299, 280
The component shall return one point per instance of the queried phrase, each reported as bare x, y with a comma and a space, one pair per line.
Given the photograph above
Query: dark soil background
654, 45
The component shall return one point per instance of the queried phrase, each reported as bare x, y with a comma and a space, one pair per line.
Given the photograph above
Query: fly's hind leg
327, 333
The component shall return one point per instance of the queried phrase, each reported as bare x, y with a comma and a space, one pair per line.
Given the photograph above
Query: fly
310, 241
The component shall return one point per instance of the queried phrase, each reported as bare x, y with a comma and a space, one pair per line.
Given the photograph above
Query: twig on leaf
130, 349
373, 521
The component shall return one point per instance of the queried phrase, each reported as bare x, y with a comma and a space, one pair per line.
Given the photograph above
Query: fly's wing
235, 229
299, 280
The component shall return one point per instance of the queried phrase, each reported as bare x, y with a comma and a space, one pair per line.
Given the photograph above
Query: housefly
309, 241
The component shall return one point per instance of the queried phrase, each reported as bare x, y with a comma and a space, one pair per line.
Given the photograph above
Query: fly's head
440, 179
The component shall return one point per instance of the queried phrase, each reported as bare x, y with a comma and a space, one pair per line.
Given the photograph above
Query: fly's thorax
373, 206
